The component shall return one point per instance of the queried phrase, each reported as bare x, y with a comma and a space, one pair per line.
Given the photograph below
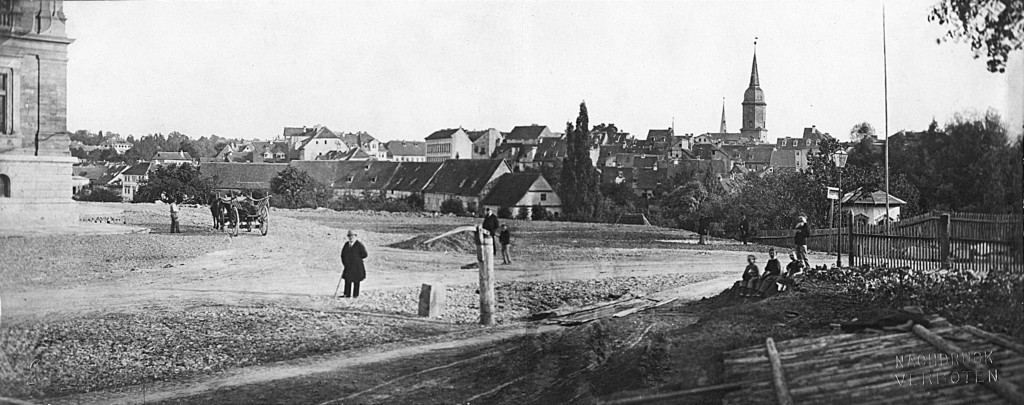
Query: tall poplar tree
580, 183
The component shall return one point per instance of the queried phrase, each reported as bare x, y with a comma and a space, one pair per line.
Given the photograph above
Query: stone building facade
35, 160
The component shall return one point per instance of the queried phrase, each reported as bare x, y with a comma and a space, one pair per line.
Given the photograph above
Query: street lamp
839, 157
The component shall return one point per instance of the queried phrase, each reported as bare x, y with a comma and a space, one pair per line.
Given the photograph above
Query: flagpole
885, 75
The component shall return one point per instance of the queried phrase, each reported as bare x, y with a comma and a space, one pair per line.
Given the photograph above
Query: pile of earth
461, 242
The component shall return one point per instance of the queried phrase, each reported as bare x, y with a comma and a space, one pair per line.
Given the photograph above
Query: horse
219, 210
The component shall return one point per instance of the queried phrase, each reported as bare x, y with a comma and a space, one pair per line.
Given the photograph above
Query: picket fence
981, 242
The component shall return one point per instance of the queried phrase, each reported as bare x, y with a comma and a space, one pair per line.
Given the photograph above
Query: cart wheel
264, 220
235, 221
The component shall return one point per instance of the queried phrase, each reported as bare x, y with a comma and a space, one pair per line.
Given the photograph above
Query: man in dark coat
491, 225
352, 255
506, 241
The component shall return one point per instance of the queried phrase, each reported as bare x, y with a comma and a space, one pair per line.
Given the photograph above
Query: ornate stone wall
34, 154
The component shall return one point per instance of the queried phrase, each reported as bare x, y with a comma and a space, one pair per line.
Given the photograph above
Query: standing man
744, 229
506, 241
174, 216
491, 225
352, 255
803, 231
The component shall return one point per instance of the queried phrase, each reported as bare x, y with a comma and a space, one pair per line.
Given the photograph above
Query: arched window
5, 186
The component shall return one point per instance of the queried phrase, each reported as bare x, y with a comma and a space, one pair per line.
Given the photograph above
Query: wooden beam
1001, 388
999, 340
646, 399
778, 375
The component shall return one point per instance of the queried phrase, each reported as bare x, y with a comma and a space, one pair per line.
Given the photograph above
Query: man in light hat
352, 255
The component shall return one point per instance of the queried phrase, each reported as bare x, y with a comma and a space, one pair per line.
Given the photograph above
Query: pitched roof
527, 132
463, 176
783, 158
357, 139
294, 131
91, 172
862, 196
474, 135
660, 135
138, 169
111, 173
324, 171
242, 175
442, 134
172, 156
407, 148
510, 188
648, 179
760, 153
551, 149
321, 133
412, 176
813, 133
370, 175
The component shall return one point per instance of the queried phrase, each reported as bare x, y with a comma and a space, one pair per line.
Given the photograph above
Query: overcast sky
403, 69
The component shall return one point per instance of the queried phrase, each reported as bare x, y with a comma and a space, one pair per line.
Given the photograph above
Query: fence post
944, 246
849, 239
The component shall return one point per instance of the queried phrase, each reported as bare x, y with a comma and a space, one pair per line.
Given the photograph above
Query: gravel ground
89, 354
518, 299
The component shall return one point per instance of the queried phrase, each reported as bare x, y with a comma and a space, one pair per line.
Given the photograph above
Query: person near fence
352, 255
505, 237
744, 229
803, 231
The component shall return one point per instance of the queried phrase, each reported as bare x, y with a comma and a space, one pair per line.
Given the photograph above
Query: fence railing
983, 242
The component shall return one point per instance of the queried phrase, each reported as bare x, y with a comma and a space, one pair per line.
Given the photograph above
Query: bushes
370, 201
539, 213
294, 188
962, 296
98, 194
453, 206
505, 213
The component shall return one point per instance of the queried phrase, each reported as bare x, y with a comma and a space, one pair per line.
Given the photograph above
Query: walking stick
339, 286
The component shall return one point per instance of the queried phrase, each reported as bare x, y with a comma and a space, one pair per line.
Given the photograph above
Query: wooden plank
1007, 391
778, 375
645, 399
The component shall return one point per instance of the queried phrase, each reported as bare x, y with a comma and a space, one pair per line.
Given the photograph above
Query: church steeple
754, 107
722, 129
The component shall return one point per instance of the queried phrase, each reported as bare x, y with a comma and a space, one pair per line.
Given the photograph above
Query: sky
400, 70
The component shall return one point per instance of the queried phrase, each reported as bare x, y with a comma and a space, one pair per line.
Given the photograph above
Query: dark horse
219, 209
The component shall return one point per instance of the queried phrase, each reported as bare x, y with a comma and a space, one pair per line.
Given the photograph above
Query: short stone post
432, 300
485, 255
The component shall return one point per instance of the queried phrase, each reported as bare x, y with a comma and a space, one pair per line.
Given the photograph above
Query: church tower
722, 128
754, 107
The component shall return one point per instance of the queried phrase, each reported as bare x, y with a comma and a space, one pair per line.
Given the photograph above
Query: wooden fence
982, 242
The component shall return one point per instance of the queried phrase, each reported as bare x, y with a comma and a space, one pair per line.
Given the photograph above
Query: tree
862, 131
581, 198
294, 188
991, 27
175, 181
505, 213
539, 213
100, 194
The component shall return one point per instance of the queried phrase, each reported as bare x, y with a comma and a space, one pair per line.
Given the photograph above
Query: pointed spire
722, 128
754, 82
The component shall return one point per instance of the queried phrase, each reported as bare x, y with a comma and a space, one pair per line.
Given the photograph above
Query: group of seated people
772, 281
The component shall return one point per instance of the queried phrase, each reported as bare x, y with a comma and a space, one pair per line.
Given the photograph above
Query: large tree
580, 181
993, 28
294, 188
182, 181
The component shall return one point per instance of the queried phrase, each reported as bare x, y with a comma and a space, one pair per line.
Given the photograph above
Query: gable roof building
242, 176
410, 178
529, 134
406, 151
450, 143
467, 180
523, 191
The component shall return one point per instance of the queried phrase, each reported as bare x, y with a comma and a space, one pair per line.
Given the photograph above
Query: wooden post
849, 237
778, 375
944, 248
485, 255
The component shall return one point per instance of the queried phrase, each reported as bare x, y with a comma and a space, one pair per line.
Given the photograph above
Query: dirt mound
460, 242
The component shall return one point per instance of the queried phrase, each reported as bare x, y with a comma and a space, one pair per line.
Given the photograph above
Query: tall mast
885, 75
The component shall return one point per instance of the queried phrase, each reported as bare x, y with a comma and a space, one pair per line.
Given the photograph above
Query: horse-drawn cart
243, 211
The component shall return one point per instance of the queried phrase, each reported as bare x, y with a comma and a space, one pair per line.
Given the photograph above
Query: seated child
772, 271
794, 267
751, 273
